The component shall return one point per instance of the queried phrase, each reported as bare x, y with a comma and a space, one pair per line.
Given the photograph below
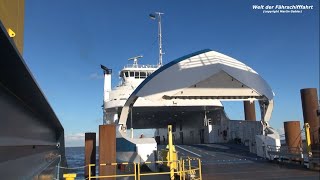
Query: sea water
75, 160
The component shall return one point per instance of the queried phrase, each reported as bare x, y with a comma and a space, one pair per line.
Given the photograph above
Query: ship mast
158, 16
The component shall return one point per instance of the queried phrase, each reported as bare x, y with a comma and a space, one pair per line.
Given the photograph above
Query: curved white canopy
204, 74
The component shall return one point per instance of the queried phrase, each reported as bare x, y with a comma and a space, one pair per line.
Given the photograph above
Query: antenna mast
153, 16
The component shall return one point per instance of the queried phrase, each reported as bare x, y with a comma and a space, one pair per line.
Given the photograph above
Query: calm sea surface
75, 158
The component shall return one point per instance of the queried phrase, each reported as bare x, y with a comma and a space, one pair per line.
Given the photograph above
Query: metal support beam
249, 111
107, 149
90, 153
309, 100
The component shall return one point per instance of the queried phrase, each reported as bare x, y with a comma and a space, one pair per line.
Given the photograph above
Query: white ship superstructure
114, 99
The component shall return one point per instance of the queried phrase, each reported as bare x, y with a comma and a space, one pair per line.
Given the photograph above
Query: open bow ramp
204, 74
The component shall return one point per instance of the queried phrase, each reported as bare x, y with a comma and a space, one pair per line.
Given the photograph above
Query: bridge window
131, 74
136, 75
143, 75
124, 74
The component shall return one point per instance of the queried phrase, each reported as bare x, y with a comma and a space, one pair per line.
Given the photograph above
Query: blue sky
66, 41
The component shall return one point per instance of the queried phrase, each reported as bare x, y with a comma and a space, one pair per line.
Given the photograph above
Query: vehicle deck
233, 161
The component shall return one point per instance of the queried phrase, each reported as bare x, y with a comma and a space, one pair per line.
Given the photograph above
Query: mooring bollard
70, 176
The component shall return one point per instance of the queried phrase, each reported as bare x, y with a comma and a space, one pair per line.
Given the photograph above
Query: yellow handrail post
184, 177
138, 171
170, 144
135, 171
189, 163
180, 170
200, 171
308, 139
89, 171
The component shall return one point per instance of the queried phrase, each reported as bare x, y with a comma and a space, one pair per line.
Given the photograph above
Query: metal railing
284, 152
114, 175
191, 168
141, 66
185, 168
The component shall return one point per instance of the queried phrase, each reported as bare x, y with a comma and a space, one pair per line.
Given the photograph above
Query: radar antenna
135, 60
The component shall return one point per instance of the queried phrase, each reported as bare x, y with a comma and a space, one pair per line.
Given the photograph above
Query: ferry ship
187, 94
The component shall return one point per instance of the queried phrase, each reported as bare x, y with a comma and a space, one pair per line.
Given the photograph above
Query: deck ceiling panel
219, 84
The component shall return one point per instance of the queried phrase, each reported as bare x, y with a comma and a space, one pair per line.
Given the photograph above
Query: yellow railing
134, 174
182, 168
188, 167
